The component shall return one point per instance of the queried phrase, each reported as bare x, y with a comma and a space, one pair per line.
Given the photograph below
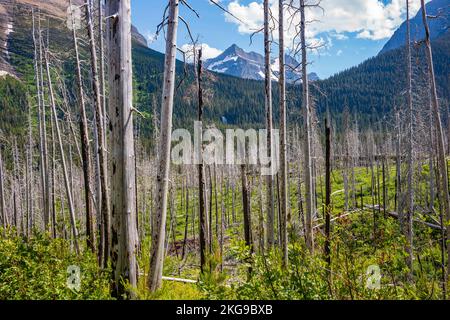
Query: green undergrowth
362, 242
362, 267
37, 268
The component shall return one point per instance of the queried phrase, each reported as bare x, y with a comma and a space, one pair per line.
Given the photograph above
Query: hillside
440, 9
15, 26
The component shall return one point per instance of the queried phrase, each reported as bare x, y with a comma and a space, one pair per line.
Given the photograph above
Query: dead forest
353, 212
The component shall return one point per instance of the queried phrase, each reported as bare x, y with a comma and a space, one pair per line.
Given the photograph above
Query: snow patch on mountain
250, 65
9, 29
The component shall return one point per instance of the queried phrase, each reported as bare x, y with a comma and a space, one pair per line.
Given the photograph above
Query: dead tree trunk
307, 143
85, 150
442, 164
63, 158
37, 58
327, 192
410, 198
283, 137
101, 40
203, 217
157, 255
247, 210
103, 202
29, 178
53, 172
268, 105
43, 128
186, 223
398, 181
123, 193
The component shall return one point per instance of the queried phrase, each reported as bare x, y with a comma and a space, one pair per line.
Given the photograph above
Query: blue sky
352, 30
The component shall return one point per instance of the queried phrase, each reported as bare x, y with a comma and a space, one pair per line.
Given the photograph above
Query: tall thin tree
162, 182
85, 149
99, 115
269, 123
309, 187
283, 136
204, 234
123, 193
410, 165
442, 163
61, 150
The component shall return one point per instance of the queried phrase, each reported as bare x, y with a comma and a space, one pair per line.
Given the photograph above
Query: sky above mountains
347, 31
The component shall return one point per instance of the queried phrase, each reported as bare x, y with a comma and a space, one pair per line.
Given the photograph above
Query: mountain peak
233, 49
236, 62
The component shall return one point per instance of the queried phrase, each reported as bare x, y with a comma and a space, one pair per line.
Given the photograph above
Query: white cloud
250, 16
207, 51
338, 36
370, 19
339, 53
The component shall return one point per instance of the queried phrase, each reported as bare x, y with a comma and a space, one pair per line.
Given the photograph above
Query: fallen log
174, 279
179, 280
396, 216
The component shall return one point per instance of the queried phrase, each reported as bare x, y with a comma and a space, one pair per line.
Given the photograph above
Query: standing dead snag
327, 193
99, 115
309, 187
157, 254
43, 129
101, 42
123, 193
205, 240
204, 222
63, 157
85, 150
247, 210
269, 125
29, 176
283, 136
37, 60
442, 163
105, 232
408, 231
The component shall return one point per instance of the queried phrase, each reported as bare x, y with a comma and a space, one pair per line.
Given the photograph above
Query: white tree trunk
85, 149
43, 128
283, 137
410, 198
309, 188
103, 201
63, 158
269, 125
157, 254
123, 193
40, 112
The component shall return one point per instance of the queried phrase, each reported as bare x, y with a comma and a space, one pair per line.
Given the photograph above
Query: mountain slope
438, 26
15, 15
